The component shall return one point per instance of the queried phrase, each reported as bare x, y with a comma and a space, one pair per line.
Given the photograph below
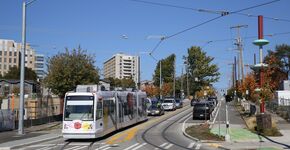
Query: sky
99, 26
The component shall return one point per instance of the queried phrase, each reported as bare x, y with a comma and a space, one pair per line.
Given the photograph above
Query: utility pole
174, 77
240, 48
181, 84
187, 83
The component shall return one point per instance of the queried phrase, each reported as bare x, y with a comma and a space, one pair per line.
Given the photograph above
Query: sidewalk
242, 138
11, 139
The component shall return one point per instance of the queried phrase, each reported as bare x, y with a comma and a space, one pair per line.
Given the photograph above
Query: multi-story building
39, 66
123, 66
10, 56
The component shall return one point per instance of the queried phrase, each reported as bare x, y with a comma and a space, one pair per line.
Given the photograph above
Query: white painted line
40, 145
44, 148
80, 147
216, 114
102, 147
168, 146
183, 124
190, 145
106, 148
139, 146
74, 147
163, 144
79, 144
131, 146
198, 146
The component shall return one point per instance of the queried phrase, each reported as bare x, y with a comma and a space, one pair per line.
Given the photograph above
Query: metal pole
174, 78
219, 123
187, 83
21, 102
227, 137
160, 79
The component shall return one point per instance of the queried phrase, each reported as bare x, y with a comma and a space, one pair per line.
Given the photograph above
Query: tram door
99, 114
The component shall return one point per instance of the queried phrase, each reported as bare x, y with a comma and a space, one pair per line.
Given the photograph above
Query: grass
202, 132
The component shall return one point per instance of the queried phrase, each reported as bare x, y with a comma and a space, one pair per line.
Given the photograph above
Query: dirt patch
202, 132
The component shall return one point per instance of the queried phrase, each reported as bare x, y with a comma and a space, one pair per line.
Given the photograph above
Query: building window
5, 53
10, 60
10, 53
4, 67
15, 53
14, 60
5, 60
1, 52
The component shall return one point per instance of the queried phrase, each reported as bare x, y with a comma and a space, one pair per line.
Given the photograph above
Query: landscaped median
202, 132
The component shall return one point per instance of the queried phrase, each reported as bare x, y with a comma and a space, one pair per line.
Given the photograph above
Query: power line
222, 14
212, 11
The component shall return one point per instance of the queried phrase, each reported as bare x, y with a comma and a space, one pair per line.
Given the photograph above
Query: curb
193, 138
33, 142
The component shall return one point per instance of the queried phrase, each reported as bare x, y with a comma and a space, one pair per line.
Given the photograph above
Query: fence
36, 111
6, 120
282, 111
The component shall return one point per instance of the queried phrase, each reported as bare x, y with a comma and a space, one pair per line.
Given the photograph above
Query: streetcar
89, 115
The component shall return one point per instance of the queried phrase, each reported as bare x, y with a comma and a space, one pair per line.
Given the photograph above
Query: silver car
169, 104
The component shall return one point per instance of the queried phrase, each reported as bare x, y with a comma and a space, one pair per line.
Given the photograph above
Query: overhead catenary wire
222, 14
211, 11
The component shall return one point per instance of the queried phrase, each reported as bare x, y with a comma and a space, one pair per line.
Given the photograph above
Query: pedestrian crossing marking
168, 146
139, 146
163, 144
131, 146
198, 146
190, 145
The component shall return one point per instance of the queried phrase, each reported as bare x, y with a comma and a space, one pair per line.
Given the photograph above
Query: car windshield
168, 101
177, 101
153, 107
201, 105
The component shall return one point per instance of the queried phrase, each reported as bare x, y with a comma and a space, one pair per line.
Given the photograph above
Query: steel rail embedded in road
157, 146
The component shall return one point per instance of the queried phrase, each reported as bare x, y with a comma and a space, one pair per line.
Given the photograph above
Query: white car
169, 104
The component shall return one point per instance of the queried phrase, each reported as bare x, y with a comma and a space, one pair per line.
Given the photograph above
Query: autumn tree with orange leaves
151, 90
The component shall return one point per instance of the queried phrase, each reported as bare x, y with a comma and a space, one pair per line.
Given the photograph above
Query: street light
21, 103
160, 75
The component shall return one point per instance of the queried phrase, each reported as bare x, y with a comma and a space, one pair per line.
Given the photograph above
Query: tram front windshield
79, 108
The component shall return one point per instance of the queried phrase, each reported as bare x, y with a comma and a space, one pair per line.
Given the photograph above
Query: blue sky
98, 26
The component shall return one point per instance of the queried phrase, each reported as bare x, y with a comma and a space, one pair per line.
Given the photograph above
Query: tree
283, 55
123, 83
14, 73
68, 69
201, 71
167, 70
151, 90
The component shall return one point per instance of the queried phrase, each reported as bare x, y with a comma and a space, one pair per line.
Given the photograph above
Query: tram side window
99, 110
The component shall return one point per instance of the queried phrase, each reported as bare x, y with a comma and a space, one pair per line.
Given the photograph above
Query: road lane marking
40, 145
168, 146
74, 147
139, 146
80, 148
45, 148
106, 148
80, 144
163, 144
198, 146
131, 146
190, 145
102, 147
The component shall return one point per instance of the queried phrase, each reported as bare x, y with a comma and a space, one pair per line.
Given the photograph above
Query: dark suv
202, 110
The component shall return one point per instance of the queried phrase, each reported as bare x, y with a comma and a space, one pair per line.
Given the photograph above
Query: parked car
214, 99
169, 104
202, 110
155, 110
179, 103
193, 102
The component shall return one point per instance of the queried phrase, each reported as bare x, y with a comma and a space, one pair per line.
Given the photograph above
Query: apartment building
10, 56
39, 66
123, 66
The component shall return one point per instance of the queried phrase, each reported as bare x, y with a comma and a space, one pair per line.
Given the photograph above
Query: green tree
201, 70
167, 70
68, 69
123, 83
14, 73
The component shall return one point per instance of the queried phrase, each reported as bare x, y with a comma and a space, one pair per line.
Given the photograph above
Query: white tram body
91, 115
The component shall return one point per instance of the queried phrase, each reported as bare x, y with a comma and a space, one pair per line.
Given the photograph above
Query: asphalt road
164, 132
